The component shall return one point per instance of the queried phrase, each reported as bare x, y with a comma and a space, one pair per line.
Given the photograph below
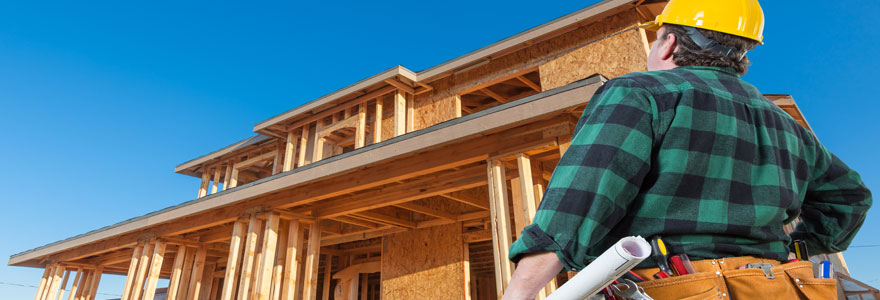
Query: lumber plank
327, 267
479, 203
233, 179
291, 261
207, 281
529, 83
355, 221
277, 161
301, 146
270, 240
229, 283
493, 95
280, 255
426, 210
176, 272
384, 219
466, 270
527, 186
195, 281
140, 276
81, 287
317, 142
203, 188
516, 199
84, 292
400, 85
399, 113
228, 168
255, 160
183, 287
155, 270
75, 285
410, 112
247, 265
216, 181
289, 148
377, 122
63, 284
360, 139
500, 214
43, 282
310, 282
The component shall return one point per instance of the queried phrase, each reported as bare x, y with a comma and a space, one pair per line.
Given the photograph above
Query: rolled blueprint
613, 263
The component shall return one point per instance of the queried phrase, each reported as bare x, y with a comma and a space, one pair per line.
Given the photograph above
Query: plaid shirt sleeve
835, 205
598, 176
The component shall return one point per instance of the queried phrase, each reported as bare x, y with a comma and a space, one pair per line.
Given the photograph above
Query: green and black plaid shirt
699, 156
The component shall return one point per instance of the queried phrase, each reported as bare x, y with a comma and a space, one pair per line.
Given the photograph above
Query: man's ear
668, 47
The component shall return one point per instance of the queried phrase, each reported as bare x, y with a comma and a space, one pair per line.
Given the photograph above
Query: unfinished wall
432, 111
423, 264
538, 54
612, 57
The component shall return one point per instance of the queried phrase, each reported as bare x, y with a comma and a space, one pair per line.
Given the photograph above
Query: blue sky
98, 103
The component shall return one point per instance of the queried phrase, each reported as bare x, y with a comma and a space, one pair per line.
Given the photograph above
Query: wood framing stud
155, 269
500, 219
310, 282
238, 234
399, 113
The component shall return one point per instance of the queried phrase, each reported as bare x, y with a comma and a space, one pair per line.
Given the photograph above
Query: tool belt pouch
698, 286
788, 281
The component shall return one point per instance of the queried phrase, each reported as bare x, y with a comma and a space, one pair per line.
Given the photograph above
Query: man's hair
690, 54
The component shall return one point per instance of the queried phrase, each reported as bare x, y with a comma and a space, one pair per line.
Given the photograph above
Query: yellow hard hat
743, 18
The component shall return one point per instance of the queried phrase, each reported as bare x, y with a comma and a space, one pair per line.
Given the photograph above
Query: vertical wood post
216, 181
228, 174
303, 142
466, 269
74, 286
280, 251
141, 275
500, 214
353, 287
278, 161
95, 281
564, 142
318, 143
410, 112
186, 274
247, 264
47, 273
195, 281
155, 270
80, 286
289, 149
229, 281
63, 284
132, 270
176, 271
360, 136
327, 269
233, 178
84, 291
377, 122
399, 113
527, 187
270, 242
457, 104
516, 198
310, 287
291, 261
207, 281
203, 188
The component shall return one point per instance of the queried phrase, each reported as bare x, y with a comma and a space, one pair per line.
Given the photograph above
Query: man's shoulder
653, 80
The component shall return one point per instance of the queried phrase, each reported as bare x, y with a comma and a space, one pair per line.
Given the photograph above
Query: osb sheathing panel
432, 111
423, 264
612, 57
540, 53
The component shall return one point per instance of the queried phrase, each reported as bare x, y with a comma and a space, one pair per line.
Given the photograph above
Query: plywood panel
423, 264
537, 54
430, 112
611, 57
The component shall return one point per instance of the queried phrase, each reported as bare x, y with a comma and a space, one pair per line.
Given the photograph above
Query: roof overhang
494, 119
188, 168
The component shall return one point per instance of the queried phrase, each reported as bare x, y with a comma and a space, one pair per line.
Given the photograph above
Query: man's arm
532, 273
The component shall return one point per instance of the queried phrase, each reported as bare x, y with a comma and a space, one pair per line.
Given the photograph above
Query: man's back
701, 157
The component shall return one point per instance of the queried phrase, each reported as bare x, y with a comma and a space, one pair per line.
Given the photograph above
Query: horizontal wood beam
426, 210
386, 219
352, 103
254, 160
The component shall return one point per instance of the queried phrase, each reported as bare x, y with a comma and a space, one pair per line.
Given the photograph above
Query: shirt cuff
535, 240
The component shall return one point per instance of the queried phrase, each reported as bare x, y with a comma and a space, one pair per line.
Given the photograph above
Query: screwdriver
661, 256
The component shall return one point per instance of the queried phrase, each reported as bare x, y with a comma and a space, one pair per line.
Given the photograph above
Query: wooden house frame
403, 185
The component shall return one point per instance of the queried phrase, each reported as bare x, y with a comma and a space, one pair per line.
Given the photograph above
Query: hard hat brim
652, 26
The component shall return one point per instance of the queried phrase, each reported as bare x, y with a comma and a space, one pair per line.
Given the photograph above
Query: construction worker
691, 152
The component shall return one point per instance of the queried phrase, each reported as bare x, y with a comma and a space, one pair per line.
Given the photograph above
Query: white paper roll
613, 263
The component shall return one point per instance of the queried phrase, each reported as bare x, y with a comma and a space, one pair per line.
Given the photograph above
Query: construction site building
404, 185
